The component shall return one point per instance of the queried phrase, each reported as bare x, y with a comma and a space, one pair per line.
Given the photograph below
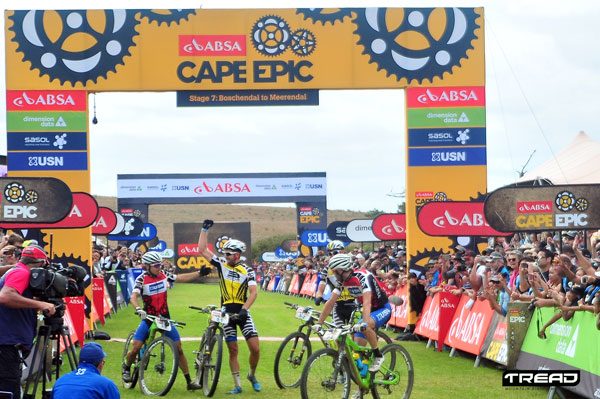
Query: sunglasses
229, 253
156, 265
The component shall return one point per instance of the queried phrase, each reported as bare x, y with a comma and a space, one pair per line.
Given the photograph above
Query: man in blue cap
86, 382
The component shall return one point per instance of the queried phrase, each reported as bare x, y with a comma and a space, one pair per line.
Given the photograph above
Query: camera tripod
52, 330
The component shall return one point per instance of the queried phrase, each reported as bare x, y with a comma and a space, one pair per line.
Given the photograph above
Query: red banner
454, 218
390, 226
438, 97
400, 313
105, 222
469, 326
46, 100
76, 307
98, 297
68, 322
293, 288
427, 324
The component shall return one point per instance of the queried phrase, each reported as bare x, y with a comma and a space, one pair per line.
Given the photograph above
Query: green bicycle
296, 348
157, 361
329, 372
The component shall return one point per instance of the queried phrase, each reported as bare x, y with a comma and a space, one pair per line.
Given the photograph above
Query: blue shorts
381, 316
142, 332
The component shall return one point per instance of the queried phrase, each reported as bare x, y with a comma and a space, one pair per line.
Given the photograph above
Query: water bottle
363, 368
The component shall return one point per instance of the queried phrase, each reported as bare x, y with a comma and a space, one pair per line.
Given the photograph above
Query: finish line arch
54, 59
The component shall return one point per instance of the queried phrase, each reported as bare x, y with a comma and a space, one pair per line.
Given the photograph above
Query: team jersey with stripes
233, 281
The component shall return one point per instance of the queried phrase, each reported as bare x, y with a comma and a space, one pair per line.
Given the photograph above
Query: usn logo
46, 161
449, 156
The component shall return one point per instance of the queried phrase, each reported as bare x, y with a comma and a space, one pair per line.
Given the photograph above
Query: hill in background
265, 221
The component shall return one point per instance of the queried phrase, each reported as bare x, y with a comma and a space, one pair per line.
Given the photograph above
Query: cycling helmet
151, 258
34, 253
234, 245
340, 262
335, 245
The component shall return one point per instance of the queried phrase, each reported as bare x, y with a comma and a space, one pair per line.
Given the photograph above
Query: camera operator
18, 317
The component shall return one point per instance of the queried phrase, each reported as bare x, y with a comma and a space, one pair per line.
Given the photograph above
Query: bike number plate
303, 314
331, 335
218, 317
162, 324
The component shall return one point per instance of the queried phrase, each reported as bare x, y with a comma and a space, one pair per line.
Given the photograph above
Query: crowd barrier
473, 326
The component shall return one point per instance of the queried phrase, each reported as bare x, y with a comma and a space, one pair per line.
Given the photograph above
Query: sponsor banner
147, 233
46, 121
455, 218
518, 318
271, 257
430, 97
361, 230
185, 237
159, 247
469, 326
132, 228
390, 226
46, 100
98, 297
46, 141
83, 213
221, 187
314, 238
445, 117
212, 45
168, 253
451, 156
446, 137
110, 282
120, 224
568, 345
400, 313
337, 231
34, 200
105, 222
281, 253
435, 320
495, 346
311, 215
565, 207
238, 98
289, 245
34, 161
76, 306
123, 284
427, 324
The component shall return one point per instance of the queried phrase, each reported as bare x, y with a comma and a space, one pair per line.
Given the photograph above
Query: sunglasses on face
229, 253
156, 265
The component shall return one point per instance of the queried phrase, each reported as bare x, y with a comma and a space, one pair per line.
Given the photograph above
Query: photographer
18, 317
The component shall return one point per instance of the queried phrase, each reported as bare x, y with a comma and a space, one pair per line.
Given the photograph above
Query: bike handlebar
210, 308
175, 322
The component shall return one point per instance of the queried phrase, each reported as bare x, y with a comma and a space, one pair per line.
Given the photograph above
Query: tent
577, 163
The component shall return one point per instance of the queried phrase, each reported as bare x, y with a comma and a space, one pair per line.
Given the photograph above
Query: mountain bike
329, 372
296, 347
157, 361
210, 354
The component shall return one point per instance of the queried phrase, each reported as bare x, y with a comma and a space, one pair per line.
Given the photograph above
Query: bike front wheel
212, 351
158, 368
321, 379
134, 367
290, 359
396, 376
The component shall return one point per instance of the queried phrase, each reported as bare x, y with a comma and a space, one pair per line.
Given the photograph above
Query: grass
436, 374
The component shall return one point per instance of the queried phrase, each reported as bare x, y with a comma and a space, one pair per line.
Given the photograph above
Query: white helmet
341, 262
234, 245
151, 258
335, 245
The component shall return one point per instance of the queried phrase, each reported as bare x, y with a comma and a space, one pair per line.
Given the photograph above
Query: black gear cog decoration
419, 261
325, 15
303, 42
417, 48
57, 53
271, 35
14, 192
168, 17
565, 201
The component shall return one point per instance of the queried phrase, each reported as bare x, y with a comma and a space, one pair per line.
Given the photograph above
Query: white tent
577, 163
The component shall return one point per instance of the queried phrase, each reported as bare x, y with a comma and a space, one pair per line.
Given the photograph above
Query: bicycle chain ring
271, 35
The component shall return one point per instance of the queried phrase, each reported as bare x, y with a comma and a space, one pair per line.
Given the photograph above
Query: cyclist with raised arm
235, 280
152, 286
345, 304
361, 284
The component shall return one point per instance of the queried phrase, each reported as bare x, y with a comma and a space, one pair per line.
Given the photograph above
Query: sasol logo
36, 140
534, 207
449, 156
212, 45
447, 96
540, 378
440, 136
44, 99
222, 188
46, 161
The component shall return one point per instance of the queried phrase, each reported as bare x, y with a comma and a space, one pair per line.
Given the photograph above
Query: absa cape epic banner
436, 316
455, 218
469, 326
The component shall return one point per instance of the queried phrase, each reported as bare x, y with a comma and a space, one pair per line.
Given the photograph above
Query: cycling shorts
381, 316
141, 334
248, 329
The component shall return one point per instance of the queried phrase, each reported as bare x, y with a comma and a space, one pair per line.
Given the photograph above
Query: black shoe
125, 373
192, 386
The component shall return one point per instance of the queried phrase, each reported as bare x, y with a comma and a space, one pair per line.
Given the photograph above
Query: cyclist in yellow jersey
236, 280
345, 303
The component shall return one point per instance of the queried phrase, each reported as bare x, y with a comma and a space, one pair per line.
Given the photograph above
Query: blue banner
280, 253
314, 238
47, 141
123, 283
454, 156
236, 98
160, 247
446, 137
148, 232
47, 161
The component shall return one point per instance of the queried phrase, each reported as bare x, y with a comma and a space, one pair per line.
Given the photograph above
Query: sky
542, 88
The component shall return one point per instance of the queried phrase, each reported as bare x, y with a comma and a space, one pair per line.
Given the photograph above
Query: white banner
221, 187
271, 257
361, 230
